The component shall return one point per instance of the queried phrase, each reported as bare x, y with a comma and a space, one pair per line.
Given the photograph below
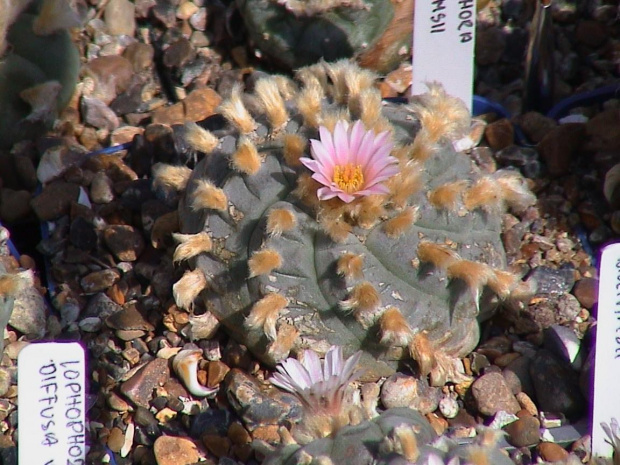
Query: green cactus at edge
402, 275
33, 59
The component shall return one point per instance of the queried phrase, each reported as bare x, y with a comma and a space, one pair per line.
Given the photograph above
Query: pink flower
320, 389
353, 162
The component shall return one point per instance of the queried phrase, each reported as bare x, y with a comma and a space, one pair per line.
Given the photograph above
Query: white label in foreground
607, 360
51, 414
443, 46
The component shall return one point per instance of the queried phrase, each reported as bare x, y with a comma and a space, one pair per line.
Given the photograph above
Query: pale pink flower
352, 162
321, 389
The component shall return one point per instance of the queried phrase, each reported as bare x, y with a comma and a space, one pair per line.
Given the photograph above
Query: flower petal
327, 141
380, 165
333, 362
356, 136
322, 155
313, 366
346, 198
341, 144
365, 152
326, 193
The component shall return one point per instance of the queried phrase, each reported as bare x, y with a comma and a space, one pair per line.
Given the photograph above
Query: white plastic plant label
606, 406
443, 46
52, 404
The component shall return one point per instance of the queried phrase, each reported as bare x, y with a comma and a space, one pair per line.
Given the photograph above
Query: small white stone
448, 406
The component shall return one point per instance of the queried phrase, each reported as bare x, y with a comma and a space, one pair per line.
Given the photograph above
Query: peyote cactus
39, 65
397, 255
294, 33
332, 430
399, 436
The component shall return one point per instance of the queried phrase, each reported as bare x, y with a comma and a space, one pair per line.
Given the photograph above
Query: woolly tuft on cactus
40, 68
405, 270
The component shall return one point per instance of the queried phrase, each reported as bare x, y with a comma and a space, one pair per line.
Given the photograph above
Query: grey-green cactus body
442, 308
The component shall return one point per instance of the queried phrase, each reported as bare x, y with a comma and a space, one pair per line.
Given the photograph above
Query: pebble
492, 394
96, 113
55, 200
216, 372
535, 126
568, 308
559, 146
524, 432
98, 281
199, 20
145, 419
198, 105
128, 318
82, 234
556, 386
217, 445
564, 343
112, 75
30, 312
586, 292
258, 405
139, 388
100, 306
527, 403
173, 450
90, 324
551, 452
550, 281
101, 188
499, 134
490, 45
5, 381
448, 406
14, 205
401, 390
211, 421
119, 17
117, 403
124, 241
116, 439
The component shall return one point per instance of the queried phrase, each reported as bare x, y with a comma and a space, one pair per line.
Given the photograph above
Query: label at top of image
443, 46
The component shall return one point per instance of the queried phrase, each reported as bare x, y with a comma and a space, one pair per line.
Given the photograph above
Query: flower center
349, 177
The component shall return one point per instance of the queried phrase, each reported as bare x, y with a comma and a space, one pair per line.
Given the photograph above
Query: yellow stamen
349, 177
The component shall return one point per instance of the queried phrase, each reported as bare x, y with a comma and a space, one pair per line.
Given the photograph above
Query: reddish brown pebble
499, 134
586, 292
216, 444
524, 432
504, 360
492, 394
172, 450
198, 105
217, 371
439, 424
268, 433
55, 200
238, 434
551, 452
526, 402
116, 439
125, 242
139, 388
98, 281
